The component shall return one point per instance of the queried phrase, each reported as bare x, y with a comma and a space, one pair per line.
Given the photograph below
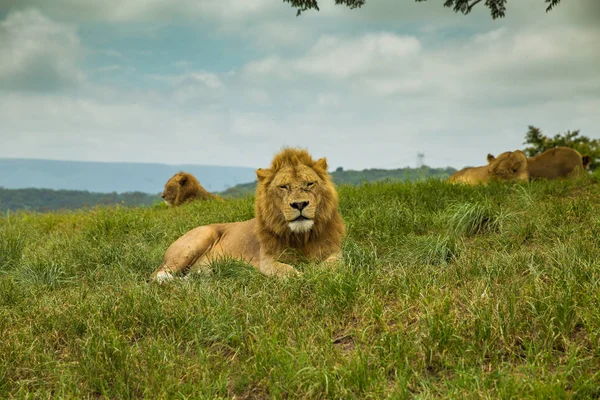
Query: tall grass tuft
42, 272
476, 217
435, 250
12, 243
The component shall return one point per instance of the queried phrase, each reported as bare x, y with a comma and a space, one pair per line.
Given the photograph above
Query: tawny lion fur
508, 166
559, 162
297, 218
184, 187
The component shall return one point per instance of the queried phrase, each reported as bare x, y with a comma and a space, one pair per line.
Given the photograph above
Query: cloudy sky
228, 82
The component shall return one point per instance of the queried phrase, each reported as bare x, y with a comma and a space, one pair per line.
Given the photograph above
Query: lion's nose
162, 195
299, 205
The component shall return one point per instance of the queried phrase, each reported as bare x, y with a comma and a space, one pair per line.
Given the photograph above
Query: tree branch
551, 4
497, 7
470, 6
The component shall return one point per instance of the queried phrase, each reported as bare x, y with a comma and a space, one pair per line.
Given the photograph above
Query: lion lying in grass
508, 166
297, 217
184, 187
559, 162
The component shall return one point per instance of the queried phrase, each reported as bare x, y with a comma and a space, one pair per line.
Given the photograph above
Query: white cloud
270, 65
127, 11
283, 33
115, 68
342, 57
496, 64
328, 100
37, 53
130, 128
184, 64
110, 53
257, 96
253, 126
191, 87
234, 9
339, 57
202, 78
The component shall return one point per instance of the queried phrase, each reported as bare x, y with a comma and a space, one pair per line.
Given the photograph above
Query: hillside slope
444, 292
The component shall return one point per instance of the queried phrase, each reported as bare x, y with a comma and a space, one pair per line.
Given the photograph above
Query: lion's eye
310, 184
284, 187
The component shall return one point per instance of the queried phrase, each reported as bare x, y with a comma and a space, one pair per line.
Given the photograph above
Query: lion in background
297, 217
508, 166
559, 162
184, 187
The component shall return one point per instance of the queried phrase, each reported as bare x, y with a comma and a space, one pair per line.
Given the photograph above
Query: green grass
445, 292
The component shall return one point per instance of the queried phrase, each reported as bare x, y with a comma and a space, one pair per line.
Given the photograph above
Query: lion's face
295, 194
511, 165
170, 191
173, 187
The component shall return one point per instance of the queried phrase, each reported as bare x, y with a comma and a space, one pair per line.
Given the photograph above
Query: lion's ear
262, 174
490, 158
183, 180
322, 164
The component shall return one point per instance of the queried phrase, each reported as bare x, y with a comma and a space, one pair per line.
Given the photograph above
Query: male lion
184, 187
559, 162
509, 166
297, 217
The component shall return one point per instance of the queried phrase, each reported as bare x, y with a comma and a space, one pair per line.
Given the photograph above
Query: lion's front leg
185, 251
333, 261
269, 266
335, 257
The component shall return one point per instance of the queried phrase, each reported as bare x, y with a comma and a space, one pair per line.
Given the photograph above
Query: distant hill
105, 177
351, 177
44, 200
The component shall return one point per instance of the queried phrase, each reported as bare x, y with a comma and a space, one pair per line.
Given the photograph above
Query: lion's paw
163, 276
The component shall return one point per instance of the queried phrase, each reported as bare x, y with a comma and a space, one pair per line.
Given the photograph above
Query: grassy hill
445, 291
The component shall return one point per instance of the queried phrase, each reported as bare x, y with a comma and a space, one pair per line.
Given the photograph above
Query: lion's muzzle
301, 225
299, 205
301, 222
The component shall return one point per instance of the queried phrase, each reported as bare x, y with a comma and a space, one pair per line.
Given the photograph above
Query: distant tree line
42, 200
350, 177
